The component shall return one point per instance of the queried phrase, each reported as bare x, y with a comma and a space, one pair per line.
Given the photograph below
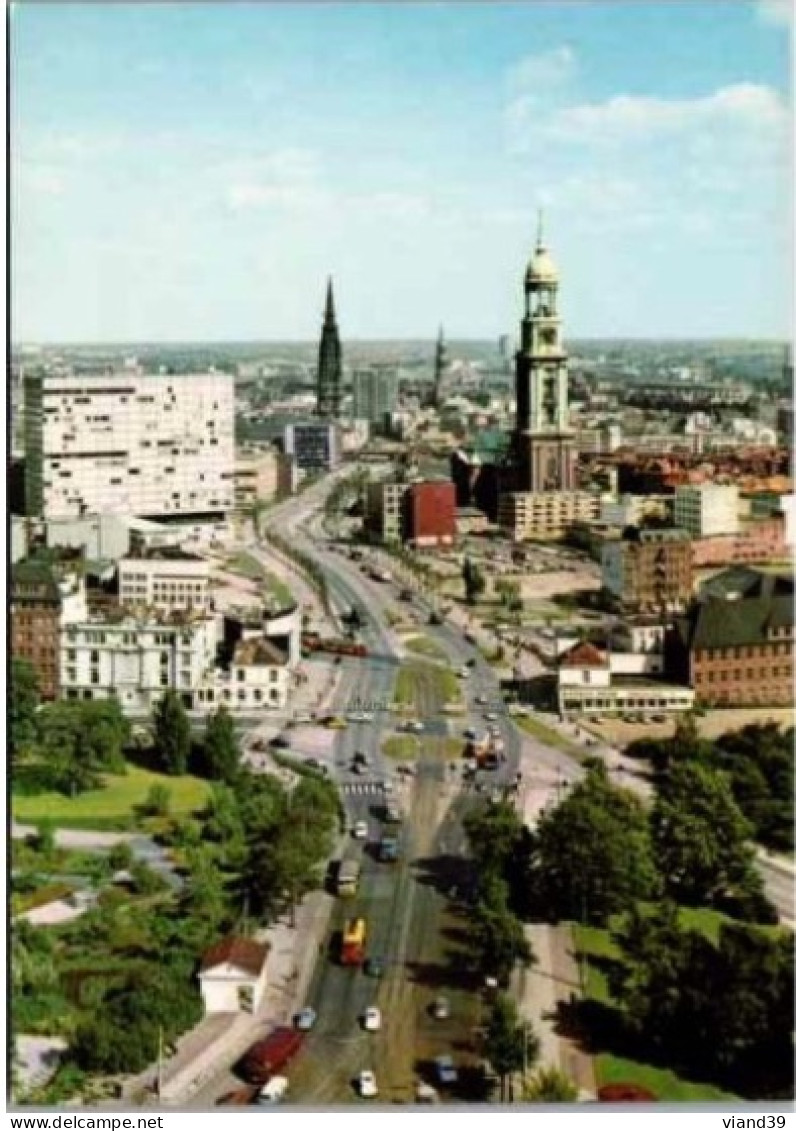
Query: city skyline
190, 173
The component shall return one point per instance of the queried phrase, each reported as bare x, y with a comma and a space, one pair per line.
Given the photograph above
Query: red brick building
36, 622
430, 514
735, 646
757, 541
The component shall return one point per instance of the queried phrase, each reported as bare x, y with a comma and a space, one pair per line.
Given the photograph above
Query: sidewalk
538, 992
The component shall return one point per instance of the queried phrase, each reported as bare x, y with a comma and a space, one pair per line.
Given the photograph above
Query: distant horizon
313, 342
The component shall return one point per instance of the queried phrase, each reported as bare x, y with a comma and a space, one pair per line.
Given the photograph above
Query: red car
265, 1058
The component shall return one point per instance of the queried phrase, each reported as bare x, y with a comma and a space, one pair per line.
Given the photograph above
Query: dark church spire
330, 362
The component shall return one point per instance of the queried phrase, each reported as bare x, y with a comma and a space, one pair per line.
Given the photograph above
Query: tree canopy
221, 753
593, 853
171, 734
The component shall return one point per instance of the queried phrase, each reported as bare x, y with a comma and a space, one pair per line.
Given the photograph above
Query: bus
348, 877
352, 949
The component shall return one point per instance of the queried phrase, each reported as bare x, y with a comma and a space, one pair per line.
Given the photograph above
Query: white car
366, 1082
273, 1091
371, 1019
387, 785
491, 717
360, 830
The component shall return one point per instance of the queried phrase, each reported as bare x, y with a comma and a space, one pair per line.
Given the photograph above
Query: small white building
164, 578
593, 683
233, 976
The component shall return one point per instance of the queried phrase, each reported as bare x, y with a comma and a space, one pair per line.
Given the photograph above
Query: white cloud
543, 72
286, 179
627, 118
778, 12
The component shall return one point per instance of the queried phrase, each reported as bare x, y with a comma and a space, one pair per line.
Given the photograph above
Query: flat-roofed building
164, 578
703, 509
545, 514
156, 446
649, 570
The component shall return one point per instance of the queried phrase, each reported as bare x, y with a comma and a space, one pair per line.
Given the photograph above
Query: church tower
543, 443
330, 363
440, 362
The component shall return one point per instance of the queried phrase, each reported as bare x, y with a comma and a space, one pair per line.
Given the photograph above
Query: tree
494, 833
550, 1085
700, 837
509, 1046
592, 853
120, 857
497, 937
157, 801
23, 705
474, 582
221, 750
172, 734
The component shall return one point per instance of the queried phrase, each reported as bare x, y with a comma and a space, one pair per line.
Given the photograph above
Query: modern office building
384, 510
373, 395
314, 445
157, 446
705, 509
164, 578
330, 363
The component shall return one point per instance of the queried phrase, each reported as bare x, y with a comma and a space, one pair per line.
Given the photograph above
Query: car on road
358, 768
440, 1009
371, 1019
387, 786
374, 966
265, 1058
490, 717
273, 1091
362, 758
416, 726
280, 742
471, 733
389, 850
305, 1019
426, 1093
481, 700
360, 830
463, 673
366, 1084
435, 618
447, 1072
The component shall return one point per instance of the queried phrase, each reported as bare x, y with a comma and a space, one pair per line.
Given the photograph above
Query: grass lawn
662, 1082
112, 804
278, 589
416, 681
402, 747
246, 565
424, 646
549, 736
597, 943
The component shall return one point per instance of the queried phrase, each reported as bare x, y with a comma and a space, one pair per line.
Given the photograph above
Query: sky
195, 171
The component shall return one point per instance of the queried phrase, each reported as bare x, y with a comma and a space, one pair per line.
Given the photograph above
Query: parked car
265, 1058
274, 1090
366, 1083
371, 1019
306, 1018
440, 1009
360, 830
447, 1072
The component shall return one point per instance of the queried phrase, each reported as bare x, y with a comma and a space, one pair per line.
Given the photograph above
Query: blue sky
195, 171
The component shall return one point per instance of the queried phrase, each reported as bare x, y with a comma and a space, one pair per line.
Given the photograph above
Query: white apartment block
166, 578
130, 444
545, 514
704, 509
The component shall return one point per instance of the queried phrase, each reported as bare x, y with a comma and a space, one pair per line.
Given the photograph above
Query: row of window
742, 651
737, 674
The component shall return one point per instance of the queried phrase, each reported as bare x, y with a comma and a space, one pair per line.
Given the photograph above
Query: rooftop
258, 651
583, 655
245, 954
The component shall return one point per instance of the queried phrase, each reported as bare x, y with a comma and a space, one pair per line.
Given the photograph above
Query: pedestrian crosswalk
371, 787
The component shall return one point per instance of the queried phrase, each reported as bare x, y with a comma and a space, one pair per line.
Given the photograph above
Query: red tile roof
245, 954
583, 655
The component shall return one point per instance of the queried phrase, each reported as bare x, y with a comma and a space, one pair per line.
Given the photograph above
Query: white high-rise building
704, 509
131, 444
